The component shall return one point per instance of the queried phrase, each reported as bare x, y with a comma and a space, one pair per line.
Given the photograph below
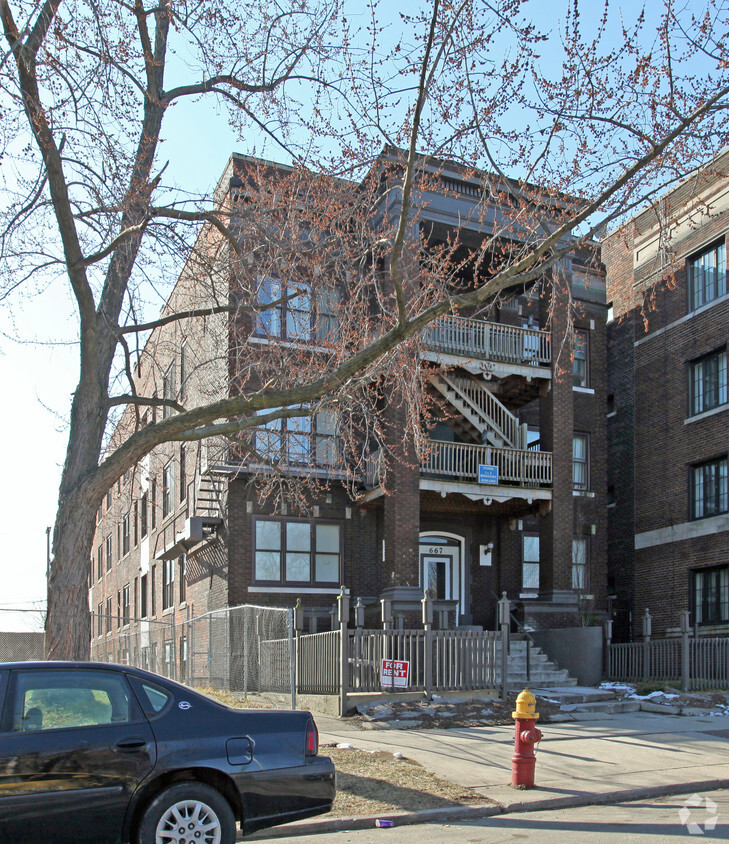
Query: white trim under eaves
659, 331
682, 532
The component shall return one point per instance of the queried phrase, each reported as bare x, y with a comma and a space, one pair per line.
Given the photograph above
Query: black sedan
108, 753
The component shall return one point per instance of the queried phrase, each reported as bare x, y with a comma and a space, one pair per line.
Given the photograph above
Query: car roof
97, 666
65, 663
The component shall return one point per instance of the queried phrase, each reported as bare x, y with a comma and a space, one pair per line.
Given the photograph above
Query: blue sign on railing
488, 474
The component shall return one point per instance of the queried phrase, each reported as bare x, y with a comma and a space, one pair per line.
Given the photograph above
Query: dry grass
378, 783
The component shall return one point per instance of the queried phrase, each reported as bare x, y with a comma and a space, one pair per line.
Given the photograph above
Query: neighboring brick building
668, 410
509, 497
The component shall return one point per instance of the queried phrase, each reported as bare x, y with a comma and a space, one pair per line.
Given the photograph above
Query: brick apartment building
508, 497
668, 411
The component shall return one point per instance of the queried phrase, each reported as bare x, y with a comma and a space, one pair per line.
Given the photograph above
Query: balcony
493, 348
451, 467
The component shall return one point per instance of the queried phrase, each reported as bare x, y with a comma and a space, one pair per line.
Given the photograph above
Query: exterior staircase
481, 417
542, 671
210, 495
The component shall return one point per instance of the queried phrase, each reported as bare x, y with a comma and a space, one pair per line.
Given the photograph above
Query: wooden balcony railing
488, 341
460, 462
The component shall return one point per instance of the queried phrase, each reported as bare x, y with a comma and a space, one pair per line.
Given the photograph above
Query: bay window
294, 551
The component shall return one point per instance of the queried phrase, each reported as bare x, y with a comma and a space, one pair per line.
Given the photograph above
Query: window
301, 552
707, 276
301, 440
143, 596
100, 562
109, 544
100, 619
710, 489
154, 697
183, 369
530, 562
290, 319
126, 595
580, 462
108, 499
183, 576
169, 652
153, 592
143, 507
153, 504
183, 658
327, 315
710, 588
109, 609
125, 534
579, 363
118, 609
98, 515
709, 382
579, 564
48, 700
168, 489
168, 583
135, 595
136, 523
183, 474
168, 389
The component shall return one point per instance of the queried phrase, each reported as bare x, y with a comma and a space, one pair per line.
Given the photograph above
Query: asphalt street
679, 818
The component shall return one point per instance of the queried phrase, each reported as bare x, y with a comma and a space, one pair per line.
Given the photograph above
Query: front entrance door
440, 567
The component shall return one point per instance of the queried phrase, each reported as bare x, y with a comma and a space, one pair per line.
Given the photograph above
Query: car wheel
188, 813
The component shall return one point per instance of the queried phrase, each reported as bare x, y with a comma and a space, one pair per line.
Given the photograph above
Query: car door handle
132, 743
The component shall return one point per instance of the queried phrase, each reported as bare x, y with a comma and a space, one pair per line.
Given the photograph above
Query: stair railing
496, 414
529, 640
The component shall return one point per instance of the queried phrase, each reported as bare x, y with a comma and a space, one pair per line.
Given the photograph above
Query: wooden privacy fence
695, 663
438, 660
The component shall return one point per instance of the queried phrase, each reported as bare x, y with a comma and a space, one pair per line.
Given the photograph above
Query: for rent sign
395, 673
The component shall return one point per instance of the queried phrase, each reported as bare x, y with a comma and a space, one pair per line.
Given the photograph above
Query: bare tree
600, 115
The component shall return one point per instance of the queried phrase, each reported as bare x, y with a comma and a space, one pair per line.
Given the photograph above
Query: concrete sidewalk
576, 762
630, 757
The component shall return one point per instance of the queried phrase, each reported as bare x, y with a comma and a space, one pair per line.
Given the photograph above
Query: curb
467, 813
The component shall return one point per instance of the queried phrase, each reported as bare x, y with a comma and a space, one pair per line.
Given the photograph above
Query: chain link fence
21, 646
21, 633
244, 649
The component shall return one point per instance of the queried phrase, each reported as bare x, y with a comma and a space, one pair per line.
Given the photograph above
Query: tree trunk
68, 635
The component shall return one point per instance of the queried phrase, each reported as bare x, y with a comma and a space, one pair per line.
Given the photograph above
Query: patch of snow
398, 755
618, 687
345, 746
648, 696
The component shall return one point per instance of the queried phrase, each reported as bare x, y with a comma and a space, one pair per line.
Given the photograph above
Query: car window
152, 697
53, 700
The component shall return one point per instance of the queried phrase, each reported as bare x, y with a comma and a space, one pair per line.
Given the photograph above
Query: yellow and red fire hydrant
525, 737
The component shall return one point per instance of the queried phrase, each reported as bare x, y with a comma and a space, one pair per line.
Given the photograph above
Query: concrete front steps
583, 703
542, 672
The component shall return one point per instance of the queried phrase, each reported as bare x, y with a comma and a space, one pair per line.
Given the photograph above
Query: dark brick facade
385, 534
656, 439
